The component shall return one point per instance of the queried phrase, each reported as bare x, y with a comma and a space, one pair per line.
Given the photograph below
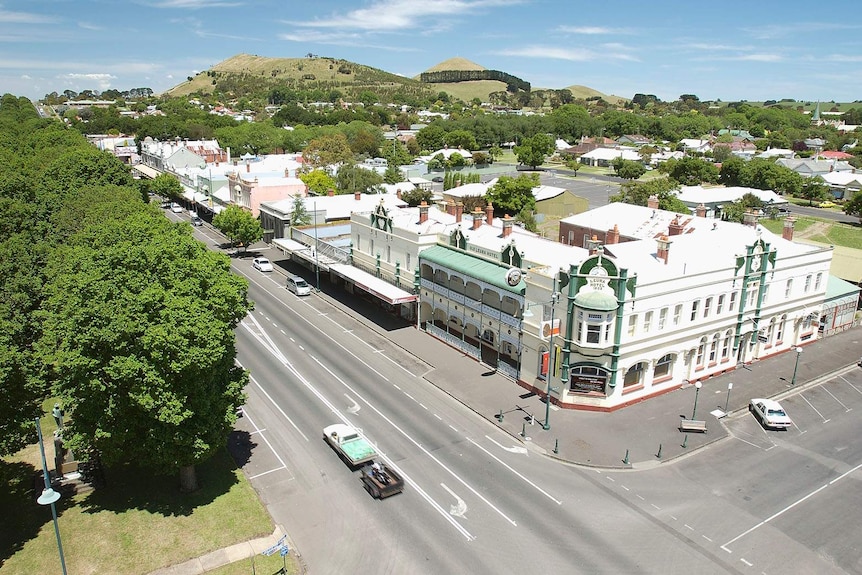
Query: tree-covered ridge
513, 83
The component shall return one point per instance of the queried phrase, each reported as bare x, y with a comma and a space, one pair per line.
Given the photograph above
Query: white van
297, 285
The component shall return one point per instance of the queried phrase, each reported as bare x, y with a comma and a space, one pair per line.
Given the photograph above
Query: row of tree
108, 306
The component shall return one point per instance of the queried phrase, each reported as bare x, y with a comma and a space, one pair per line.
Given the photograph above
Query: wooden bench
692, 425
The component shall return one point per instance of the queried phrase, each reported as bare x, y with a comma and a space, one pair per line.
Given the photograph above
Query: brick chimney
423, 212
477, 218
489, 213
700, 211
507, 225
398, 193
652, 202
662, 248
330, 193
247, 166
357, 196
787, 232
459, 210
749, 218
613, 235
450, 207
674, 228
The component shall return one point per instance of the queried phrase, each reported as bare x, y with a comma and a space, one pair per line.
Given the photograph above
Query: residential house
603, 157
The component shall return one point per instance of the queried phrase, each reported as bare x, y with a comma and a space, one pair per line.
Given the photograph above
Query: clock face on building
513, 276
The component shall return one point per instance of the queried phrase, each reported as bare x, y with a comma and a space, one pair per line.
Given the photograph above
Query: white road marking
656, 506
271, 448
640, 497
836, 399
407, 479
850, 384
278, 407
460, 508
687, 526
789, 507
514, 449
353, 408
746, 562
707, 538
624, 487
539, 489
438, 417
814, 408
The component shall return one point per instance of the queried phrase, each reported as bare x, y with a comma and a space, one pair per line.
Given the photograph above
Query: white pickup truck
349, 444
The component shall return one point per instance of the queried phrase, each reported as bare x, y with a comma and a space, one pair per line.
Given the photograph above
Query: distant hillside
245, 71
245, 74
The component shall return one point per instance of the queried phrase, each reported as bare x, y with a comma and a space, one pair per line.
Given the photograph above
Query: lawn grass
777, 225
846, 235
136, 523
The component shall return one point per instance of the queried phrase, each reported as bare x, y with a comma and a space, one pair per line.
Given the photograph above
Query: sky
731, 50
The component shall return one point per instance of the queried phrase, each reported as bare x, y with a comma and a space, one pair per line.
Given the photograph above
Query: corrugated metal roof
472, 267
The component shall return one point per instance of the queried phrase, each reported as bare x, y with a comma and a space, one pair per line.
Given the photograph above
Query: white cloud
8, 17
570, 54
593, 30
194, 4
399, 15
102, 81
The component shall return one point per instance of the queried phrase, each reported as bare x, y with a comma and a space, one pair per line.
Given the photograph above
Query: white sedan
176, 208
770, 413
262, 264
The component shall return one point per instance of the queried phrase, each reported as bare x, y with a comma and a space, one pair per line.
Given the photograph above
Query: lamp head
48, 497
698, 384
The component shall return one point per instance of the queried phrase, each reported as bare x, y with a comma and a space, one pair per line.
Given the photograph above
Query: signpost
282, 549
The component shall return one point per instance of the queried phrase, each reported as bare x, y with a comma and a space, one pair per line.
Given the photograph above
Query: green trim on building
472, 267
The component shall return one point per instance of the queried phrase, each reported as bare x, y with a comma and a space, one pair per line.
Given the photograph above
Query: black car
437, 179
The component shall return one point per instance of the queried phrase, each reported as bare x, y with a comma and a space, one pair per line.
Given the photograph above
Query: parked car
197, 221
166, 204
297, 285
827, 205
770, 413
262, 264
437, 179
176, 208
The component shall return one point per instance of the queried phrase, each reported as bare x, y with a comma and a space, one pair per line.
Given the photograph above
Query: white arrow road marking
353, 408
513, 449
460, 508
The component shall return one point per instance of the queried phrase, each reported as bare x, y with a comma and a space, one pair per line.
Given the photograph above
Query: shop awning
288, 245
375, 286
149, 172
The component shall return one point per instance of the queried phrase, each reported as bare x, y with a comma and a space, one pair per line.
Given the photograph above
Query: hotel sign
587, 383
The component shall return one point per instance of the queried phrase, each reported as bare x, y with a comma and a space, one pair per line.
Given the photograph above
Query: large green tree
665, 189
238, 225
328, 150
352, 178
511, 195
139, 325
318, 181
533, 151
693, 171
628, 169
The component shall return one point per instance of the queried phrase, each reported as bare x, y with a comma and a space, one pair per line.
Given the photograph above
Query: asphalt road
478, 502
475, 501
826, 214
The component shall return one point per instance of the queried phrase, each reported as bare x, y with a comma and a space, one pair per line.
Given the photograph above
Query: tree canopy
511, 195
238, 225
533, 150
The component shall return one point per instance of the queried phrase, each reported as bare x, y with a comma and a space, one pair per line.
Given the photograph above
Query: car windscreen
778, 412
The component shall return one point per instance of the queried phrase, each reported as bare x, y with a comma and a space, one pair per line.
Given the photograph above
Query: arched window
725, 349
663, 366
713, 349
770, 332
779, 335
635, 375
701, 352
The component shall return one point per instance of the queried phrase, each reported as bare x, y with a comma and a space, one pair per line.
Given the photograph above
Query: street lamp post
727, 402
49, 496
697, 387
796, 366
555, 295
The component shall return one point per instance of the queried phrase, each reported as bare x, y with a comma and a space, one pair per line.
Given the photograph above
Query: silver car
770, 413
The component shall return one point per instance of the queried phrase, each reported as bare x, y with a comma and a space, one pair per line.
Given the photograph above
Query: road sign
279, 545
284, 550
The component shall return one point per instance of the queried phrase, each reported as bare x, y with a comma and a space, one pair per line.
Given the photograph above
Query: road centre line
414, 442
409, 480
789, 507
507, 466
